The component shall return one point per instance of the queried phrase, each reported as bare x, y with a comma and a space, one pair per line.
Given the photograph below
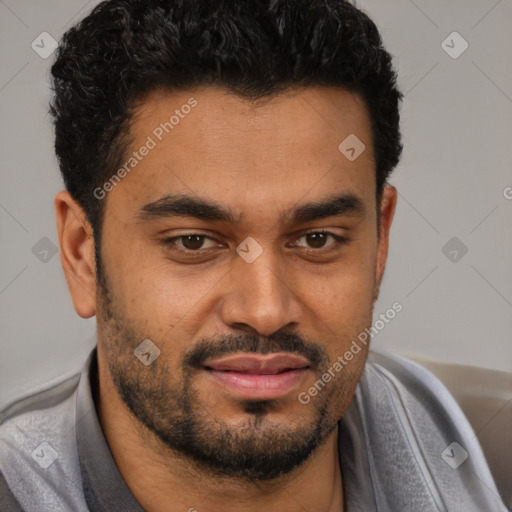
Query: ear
387, 212
77, 253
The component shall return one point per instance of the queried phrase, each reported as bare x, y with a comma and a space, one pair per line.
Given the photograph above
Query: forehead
267, 154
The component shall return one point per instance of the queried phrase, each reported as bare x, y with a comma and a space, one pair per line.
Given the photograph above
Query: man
226, 218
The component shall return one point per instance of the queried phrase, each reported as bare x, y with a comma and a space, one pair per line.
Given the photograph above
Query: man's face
240, 333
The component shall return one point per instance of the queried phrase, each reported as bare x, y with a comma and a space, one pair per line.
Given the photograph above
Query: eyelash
170, 242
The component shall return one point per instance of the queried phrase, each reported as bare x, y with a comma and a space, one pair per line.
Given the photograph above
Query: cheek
344, 294
342, 303
161, 301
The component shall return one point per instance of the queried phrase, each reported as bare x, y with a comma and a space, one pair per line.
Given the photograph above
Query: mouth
258, 376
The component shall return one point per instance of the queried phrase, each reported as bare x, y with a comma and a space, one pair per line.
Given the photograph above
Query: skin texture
260, 160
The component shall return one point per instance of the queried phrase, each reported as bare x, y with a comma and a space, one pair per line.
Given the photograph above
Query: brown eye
316, 240
192, 242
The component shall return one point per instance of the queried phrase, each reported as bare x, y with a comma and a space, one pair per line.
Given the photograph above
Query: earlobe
77, 253
387, 212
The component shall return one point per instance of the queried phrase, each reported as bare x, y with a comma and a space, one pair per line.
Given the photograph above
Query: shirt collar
104, 487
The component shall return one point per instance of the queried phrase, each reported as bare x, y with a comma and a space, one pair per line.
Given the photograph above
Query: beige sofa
485, 396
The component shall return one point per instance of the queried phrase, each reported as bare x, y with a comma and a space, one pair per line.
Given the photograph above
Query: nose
260, 297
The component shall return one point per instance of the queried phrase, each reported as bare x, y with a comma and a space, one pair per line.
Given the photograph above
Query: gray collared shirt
404, 445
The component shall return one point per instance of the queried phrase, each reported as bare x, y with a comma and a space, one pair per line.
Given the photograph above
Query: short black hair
125, 49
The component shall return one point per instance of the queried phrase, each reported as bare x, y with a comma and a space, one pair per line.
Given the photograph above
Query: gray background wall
453, 179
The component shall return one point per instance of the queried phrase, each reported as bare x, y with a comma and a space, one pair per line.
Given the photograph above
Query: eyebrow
348, 205
180, 205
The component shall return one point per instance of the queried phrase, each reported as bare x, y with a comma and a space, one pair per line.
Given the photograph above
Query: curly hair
124, 49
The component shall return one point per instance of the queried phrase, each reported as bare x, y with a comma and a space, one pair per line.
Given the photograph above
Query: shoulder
412, 435
40, 400
417, 401
39, 457
404, 376
37, 417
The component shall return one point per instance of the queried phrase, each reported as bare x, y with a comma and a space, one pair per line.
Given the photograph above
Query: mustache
196, 355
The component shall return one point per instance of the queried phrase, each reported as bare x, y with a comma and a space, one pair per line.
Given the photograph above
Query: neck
163, 480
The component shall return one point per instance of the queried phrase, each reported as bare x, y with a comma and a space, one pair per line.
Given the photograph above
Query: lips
268, 364
258, 376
